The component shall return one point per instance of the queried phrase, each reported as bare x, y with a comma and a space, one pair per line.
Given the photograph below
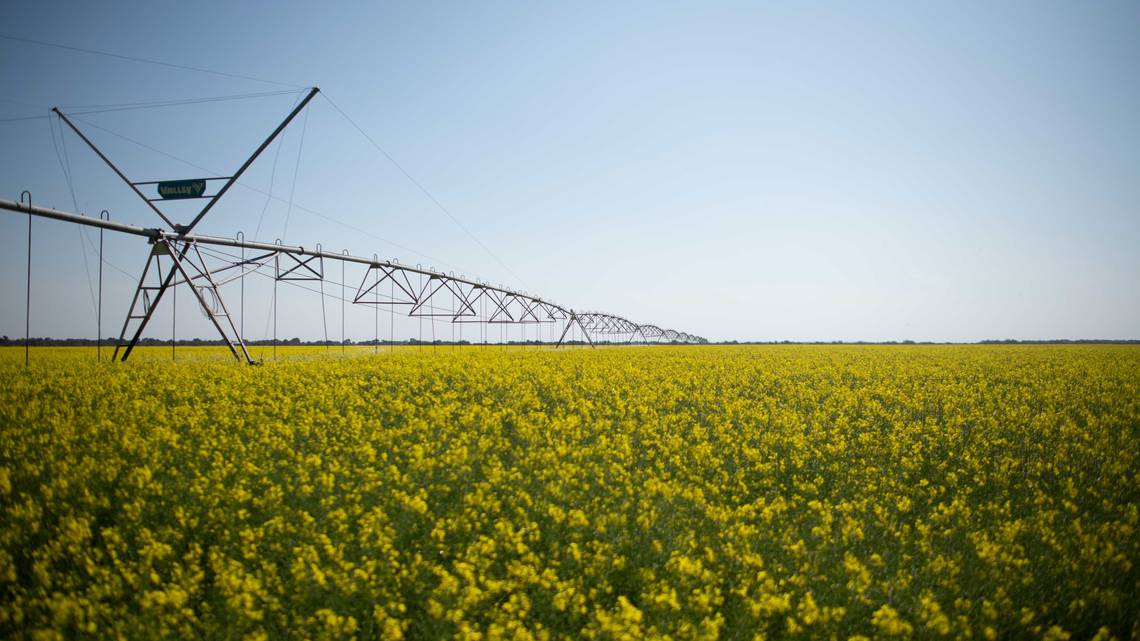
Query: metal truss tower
176, 257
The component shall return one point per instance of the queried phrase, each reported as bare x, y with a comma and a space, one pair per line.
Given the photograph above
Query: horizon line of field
47, 341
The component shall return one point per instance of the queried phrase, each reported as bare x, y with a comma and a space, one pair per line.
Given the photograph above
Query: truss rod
155, 234
595, 321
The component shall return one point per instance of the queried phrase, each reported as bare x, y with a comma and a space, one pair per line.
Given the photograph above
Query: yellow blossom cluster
670, 492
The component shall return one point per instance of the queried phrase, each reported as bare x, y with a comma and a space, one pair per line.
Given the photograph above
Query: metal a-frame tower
180, 250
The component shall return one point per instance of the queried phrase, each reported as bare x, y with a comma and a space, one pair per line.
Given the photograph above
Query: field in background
688, 492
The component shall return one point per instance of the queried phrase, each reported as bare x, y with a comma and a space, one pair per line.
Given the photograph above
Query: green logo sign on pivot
182, 188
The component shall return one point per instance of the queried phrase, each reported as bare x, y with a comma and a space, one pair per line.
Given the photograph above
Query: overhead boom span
508, 305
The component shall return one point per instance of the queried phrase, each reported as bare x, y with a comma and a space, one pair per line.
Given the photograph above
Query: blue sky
933, 171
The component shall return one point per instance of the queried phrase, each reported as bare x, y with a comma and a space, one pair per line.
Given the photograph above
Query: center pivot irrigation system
179, 257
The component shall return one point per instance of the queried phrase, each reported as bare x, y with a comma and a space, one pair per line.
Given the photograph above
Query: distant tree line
5, 341
1006, 341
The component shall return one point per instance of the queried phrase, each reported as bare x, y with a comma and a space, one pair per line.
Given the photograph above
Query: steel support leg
143, 292
179, 258
204, 273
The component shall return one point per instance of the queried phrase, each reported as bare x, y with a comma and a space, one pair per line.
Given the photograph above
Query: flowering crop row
622, 493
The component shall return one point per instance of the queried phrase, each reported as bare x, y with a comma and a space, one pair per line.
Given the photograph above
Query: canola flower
791, 492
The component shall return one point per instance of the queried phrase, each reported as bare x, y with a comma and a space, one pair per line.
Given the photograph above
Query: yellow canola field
784, 492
